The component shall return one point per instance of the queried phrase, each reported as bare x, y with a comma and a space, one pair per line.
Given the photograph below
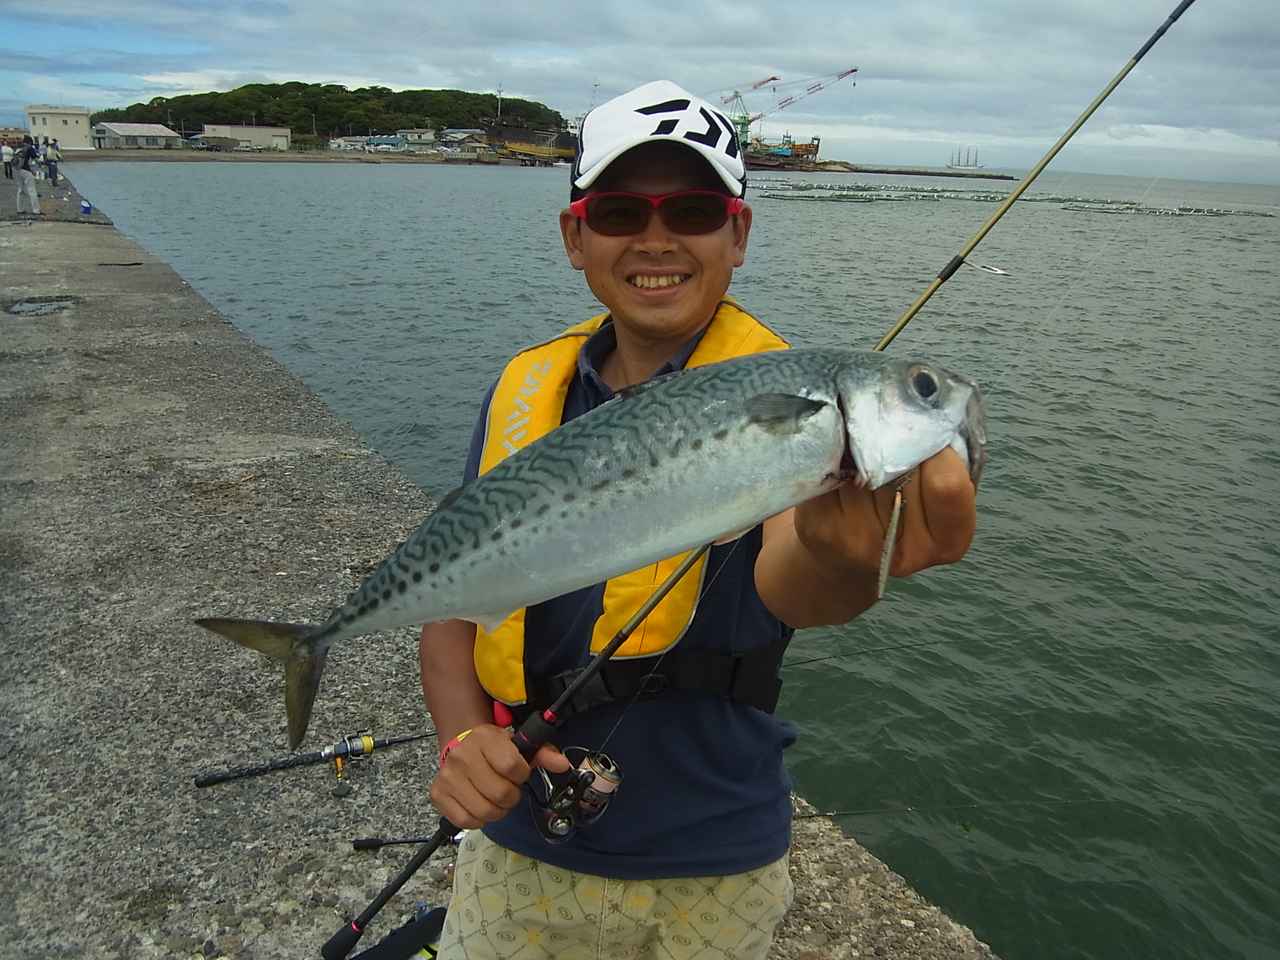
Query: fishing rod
528, 738
341, 753
959, 259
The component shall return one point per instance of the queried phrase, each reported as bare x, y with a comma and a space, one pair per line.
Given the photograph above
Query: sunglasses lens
689, 213
617, 216
693, 213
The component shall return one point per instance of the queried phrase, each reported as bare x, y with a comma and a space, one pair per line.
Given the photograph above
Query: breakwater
158, 466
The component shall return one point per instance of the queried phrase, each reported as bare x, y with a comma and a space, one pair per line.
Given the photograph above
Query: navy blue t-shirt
705, 791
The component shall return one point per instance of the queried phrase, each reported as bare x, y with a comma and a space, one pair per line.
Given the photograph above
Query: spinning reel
574, 799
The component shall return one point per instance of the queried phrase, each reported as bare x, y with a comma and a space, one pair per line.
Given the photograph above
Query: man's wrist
449, 747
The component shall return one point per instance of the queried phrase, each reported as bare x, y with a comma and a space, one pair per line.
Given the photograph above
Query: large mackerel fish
664, 467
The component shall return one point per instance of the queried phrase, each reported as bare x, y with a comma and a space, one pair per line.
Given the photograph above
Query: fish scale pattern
665, 466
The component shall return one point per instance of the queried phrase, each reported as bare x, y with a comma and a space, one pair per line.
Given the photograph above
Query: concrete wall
268, 138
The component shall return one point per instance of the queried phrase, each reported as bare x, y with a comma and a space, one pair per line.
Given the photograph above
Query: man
6, 153
690, 858
52, 158
26, 160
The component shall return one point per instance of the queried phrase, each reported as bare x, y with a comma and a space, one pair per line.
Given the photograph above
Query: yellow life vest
527, 403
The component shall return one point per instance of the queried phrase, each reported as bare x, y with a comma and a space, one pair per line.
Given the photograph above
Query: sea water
1071, 740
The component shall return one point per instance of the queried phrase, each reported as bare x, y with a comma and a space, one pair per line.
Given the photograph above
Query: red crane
743, 118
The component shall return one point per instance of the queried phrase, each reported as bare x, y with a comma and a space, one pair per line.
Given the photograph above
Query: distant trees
330, 109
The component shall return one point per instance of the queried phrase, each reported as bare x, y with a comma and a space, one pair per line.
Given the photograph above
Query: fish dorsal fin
781, 412
449, 497
627, 393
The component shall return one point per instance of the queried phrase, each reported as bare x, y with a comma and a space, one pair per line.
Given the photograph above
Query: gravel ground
158, 466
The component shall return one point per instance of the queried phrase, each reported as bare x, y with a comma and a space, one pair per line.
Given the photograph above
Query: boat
964, 161
784, 154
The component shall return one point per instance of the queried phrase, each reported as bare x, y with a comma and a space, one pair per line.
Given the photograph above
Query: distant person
52, 157
6, 152
26, 161
41, 147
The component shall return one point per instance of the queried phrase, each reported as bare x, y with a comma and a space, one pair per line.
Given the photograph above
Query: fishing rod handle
257, 770
343, 942
533, 733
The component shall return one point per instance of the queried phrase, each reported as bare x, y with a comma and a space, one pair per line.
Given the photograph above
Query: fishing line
636, 696
977, 805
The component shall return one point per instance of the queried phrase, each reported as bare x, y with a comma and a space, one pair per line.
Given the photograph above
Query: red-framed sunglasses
688, 212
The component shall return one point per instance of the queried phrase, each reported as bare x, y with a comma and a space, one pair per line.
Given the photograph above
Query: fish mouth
974, 432
849, 468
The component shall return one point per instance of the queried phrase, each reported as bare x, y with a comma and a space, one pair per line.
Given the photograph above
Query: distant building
347, 143
416, 137
253, 138
463, 144
459, 135
134, 136
385, 144
13, 135
69, 124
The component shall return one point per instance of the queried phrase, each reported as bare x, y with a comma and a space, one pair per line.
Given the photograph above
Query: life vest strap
750, 679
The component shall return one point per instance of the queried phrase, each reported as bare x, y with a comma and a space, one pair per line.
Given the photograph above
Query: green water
1083, 716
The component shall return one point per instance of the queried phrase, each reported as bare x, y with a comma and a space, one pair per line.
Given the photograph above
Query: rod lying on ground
360, 745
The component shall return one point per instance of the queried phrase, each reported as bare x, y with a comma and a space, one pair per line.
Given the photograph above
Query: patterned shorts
506, 905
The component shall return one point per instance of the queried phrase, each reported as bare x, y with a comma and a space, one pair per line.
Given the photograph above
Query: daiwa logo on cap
658, 111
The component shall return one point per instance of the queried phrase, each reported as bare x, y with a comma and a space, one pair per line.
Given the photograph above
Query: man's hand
846, 527
481, 778
821, 560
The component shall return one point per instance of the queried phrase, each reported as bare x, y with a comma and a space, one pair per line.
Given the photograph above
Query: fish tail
290, 642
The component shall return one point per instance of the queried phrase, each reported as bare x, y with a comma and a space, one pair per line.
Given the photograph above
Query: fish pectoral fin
303, 664
781, 412
489, 621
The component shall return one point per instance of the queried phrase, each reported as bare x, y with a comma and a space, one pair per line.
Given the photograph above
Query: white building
254, 138
70, 125
134, 136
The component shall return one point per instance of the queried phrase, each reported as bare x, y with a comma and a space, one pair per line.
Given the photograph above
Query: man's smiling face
662, 286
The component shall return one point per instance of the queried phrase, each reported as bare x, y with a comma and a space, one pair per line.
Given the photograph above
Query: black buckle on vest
750, 679
653, 684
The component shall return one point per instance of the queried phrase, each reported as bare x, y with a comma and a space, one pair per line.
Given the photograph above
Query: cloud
992, 72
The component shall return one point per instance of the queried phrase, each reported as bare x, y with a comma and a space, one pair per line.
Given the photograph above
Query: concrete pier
156, 466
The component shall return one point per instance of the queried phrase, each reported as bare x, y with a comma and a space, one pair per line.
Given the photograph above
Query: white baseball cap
656, 112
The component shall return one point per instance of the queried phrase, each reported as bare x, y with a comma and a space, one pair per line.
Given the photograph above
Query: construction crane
743, 118
737, 95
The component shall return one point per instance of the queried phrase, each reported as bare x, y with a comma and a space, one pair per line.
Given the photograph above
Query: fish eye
924, 383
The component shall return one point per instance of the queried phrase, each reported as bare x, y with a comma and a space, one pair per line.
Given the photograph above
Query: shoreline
334, 156
163, 466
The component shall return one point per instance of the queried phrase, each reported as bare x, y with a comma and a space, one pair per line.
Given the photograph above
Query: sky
1004, 77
